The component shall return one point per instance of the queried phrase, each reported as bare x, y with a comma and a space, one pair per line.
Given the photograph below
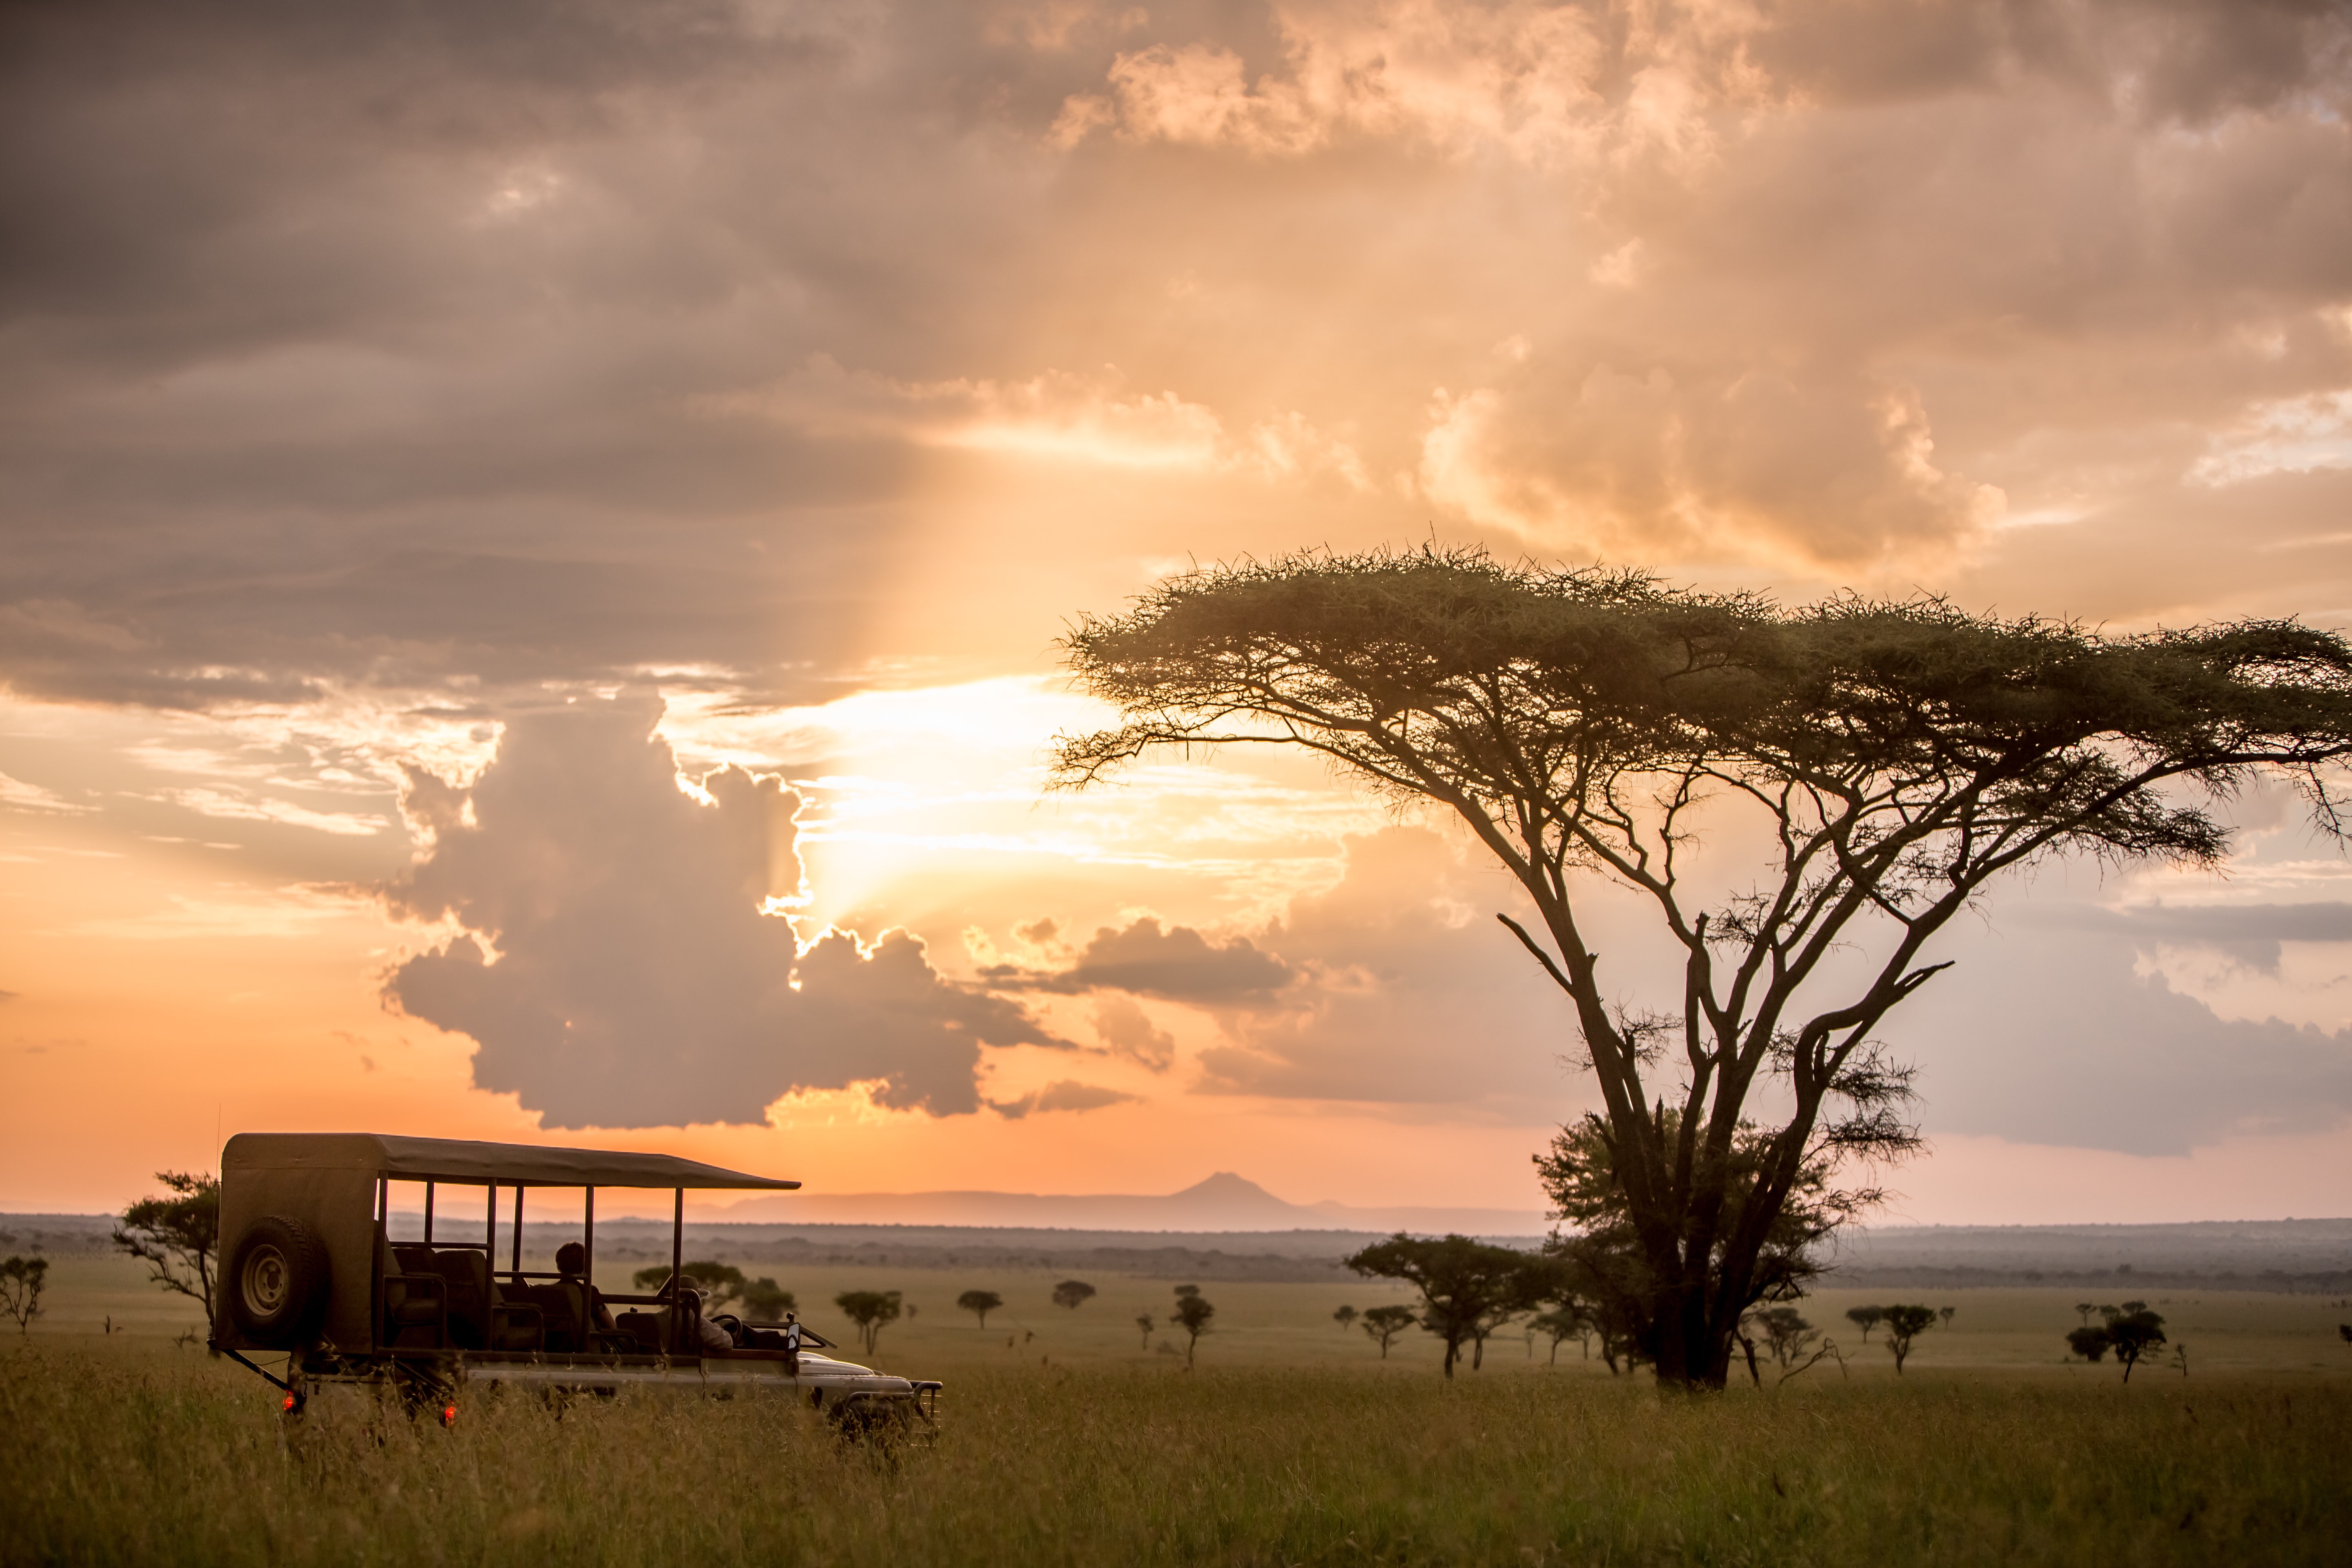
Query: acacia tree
980, 1303
1905, 1325
1072, 1293
1385, 1324
871, 1311
1191, 1314
2133, 1330
1469, 1288
22, 1279
1582, 724
177, 1237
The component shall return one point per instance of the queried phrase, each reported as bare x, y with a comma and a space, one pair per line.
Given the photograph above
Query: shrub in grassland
143, 1456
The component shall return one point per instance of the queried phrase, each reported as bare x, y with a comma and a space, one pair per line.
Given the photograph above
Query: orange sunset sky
532, 540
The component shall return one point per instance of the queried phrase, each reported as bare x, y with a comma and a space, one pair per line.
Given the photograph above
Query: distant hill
1224, 1202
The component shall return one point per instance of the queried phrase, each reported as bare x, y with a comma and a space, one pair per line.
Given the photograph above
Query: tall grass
136, 1455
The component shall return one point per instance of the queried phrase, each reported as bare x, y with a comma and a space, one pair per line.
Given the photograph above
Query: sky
533, 541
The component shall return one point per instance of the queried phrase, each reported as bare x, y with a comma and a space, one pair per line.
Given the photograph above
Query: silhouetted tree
177, 1237
1905, 1325
2088, 1342
1567, 1321
1602, 1254
21, 1281
1466, 1287
1947, 1313
1345, 1317
871, 1311
980, 1303
2086, 1308
1192, 1314
1896, 757
1866, 1318
1794, 1344
1143, 1321
1385, 1324
719, 1283
766, 1300
1071, 1293
2134, 1331
2345, 1329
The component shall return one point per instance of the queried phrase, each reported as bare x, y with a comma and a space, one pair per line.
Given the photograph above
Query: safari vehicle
309, 1267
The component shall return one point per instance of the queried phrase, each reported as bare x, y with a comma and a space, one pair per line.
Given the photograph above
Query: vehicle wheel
277, 1282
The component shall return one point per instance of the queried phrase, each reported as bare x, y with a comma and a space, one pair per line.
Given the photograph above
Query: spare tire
277, 1282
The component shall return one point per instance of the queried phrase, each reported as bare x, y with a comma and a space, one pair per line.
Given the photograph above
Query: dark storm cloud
1174, 962
634, 982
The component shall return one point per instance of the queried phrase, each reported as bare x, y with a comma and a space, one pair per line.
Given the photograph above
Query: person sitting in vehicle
572, 1262
710, 1338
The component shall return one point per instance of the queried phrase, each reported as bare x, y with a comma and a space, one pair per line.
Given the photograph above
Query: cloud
1128, 1030
614, 966
1410, 992
16, 795
2064, 1042
2249, 934
1063, 1094
1176, 962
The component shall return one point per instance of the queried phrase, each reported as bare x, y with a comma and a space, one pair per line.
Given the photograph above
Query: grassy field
1291, 1443
129, 1452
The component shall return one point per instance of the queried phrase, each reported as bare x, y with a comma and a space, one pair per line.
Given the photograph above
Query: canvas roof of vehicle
464, 1159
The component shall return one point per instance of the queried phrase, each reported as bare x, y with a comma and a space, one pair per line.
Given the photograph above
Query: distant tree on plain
1905, 1325
1072, 1293
1345, 1317
1143, 1320
1866, 1318
980, 1303
2086, 1308
1192, 1315
2088, 1342
21, 1282
871, 1311
1468, 1287
2132, 1331
1567, 1321
718, 1282
1947, 1313
2346, 1331
177, 1237
1385, 1324
767, 1301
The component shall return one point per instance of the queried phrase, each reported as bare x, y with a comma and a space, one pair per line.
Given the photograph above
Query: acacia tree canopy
1580, 723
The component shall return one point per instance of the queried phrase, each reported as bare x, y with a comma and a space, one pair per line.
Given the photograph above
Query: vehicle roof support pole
677, 1269
588, 1242
428, 1214
517, 1269
490, 1235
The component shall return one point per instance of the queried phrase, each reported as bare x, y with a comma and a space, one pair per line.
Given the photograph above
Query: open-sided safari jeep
309, 1267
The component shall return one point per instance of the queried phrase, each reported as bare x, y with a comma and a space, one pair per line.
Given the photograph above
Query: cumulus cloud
1411, 992
1174, 962
612, 963
1126, 1029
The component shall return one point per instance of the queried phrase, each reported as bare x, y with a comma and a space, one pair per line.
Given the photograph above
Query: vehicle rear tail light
448, 1416
290, 1402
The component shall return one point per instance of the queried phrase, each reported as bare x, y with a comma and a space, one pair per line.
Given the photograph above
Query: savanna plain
1069, 1435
